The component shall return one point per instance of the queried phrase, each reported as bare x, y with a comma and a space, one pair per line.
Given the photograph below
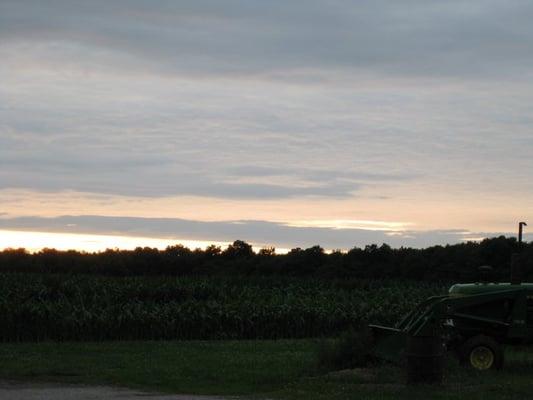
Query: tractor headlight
449, 322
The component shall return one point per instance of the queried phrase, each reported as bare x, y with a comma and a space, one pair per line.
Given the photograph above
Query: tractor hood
468, 289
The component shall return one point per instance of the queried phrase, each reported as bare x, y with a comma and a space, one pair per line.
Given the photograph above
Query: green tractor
473, 320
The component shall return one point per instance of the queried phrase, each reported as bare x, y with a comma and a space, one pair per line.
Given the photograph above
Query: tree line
458, 262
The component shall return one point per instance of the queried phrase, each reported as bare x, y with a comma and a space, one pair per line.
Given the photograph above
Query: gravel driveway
34, 391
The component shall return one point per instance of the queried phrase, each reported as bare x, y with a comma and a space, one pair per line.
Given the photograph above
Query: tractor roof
465, 289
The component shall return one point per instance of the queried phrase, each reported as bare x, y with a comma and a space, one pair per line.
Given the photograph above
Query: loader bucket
389, 343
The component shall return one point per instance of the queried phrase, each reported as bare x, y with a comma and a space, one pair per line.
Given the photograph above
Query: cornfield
36, 307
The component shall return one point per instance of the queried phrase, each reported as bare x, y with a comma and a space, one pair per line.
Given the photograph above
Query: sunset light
34, 241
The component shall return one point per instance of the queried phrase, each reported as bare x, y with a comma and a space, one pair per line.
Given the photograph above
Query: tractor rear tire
482, 353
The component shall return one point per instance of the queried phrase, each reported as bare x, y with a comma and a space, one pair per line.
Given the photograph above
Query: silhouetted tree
238, 249
458, 262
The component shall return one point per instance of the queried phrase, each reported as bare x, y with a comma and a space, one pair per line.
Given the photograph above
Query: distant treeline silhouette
458, 262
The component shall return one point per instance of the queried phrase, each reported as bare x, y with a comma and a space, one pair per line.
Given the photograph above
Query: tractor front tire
482, 353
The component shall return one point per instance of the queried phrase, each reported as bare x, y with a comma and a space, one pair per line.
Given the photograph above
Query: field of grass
284, 369
104, 330
230, 367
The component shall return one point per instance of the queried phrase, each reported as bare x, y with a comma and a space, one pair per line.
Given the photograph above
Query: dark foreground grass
274, 369
202, 367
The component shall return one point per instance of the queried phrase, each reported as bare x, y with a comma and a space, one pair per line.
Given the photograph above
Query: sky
282, 123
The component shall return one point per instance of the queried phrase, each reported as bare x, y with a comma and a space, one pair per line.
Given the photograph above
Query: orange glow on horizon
396, 210
35, 241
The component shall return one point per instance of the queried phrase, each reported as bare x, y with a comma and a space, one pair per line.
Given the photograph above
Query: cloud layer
413, 37
258, 232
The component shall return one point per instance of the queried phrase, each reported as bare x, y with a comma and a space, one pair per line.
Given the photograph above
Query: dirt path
31, 391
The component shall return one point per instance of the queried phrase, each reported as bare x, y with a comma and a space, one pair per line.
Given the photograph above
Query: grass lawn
276, 369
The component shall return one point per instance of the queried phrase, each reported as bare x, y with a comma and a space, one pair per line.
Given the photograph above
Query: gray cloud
153, 175
143, 184
252, 36
257, 232
314, 174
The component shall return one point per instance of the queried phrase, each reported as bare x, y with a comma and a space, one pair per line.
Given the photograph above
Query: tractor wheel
481, 353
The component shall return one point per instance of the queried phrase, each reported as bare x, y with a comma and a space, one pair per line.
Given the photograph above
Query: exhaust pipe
520, 231
516, 273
